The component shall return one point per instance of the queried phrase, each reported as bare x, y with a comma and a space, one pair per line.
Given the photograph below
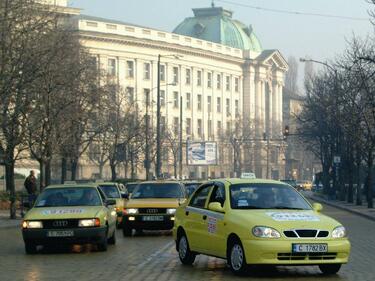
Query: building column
258, 105
280, 107
275, 93
263, 94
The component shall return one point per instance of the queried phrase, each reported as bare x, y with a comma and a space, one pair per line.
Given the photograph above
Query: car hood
76, 212
285, 219
154, 202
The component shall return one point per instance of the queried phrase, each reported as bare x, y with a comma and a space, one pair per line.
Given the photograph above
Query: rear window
158, 190
110, 191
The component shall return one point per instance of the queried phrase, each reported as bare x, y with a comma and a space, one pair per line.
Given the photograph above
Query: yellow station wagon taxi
152, 206
70, 214
258, 222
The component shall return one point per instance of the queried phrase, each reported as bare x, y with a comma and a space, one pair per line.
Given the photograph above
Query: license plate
152, 218
309, 248
60, 233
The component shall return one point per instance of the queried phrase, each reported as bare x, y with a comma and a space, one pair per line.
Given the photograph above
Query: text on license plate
309, 248
60, 233
152, 218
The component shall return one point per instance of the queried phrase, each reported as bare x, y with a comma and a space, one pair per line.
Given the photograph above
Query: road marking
154, 255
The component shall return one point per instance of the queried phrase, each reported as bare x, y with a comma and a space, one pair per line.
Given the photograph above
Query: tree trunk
350, 175
358, 177
10, 186
101, 167
63, 170
369, 179
113, 171
175, 165
41, 175
48, 172
74, 166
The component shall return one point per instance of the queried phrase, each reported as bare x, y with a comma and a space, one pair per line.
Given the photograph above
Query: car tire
103, 246
187, 257
112, 239
30, 248
126, 231
329, 269
236, 257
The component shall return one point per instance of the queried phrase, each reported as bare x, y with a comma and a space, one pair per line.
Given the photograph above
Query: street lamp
158, 117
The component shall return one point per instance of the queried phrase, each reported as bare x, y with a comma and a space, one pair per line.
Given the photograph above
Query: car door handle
187, 213
204, 217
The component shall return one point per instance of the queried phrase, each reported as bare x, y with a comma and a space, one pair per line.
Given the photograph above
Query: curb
369, 217
15, 225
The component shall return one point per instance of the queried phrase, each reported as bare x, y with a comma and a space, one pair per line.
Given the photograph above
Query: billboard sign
202, 153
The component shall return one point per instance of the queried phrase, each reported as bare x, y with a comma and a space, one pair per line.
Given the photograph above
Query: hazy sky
318, 37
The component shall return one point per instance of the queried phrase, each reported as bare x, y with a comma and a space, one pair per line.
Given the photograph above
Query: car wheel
236, 258
329, 269
126, 231
30, 248
112, 239
186, 256
118, 225
103, 246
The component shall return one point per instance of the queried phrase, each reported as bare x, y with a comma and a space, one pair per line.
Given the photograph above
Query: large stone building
218, 67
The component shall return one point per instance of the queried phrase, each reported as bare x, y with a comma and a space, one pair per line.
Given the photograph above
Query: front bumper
81, 236
279, 252
137, 222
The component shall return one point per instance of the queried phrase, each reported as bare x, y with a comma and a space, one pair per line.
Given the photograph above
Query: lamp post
158, 117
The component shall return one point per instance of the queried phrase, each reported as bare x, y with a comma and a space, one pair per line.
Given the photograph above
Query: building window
218, 128
162, 72
199, 127
175, 75
209, 128
237, 108
209, 104
229, 127
130, 69
218, 105
227, 83
236, 84
188, 101
218, 81
112, 67
199, 102
162, 98
146, 71
147, 96
199, 78
130, 92
228, 107
176, 125
188, 77
175, 99
209, 80
188, 126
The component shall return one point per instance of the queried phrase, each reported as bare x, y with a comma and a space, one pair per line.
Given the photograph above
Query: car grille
152, 211
306, 233
60, 224
305, 256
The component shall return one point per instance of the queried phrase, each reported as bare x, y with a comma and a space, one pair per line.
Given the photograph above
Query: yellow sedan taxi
112, 191
70, 214
258, 222
152, 206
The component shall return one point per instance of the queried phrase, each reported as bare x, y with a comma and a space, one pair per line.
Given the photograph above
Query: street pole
268, 156
180, 139
158, 131
147, 158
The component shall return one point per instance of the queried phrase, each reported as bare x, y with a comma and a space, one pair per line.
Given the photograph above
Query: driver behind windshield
89, 197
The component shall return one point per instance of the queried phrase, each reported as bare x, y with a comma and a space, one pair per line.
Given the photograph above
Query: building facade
214, 68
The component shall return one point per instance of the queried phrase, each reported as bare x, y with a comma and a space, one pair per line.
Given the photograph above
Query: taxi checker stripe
205, 212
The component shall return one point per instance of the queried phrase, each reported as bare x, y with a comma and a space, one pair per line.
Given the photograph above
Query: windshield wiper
287, 208
250, 207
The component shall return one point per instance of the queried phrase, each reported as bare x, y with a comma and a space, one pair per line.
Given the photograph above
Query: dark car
129, 187
191, 186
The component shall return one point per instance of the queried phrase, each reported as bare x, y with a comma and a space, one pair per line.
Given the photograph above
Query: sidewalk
362, 210
5, 222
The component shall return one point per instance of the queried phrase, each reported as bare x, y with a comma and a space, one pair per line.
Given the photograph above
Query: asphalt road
152, 256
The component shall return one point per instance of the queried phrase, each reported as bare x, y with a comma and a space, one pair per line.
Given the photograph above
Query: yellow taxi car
258, 222
70, 214
113, 191
152, 206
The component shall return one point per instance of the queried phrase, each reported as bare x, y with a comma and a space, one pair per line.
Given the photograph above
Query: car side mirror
216, 207
317, 207
110, 202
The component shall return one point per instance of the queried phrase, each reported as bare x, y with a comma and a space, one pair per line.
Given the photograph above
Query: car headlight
88, 223
171, 211
32, 224
131, 211
265, 232
339, 232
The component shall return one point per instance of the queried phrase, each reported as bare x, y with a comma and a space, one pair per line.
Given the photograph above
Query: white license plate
309, 248
153, 218
60, 233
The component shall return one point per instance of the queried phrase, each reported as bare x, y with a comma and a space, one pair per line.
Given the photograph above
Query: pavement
361, 210
6, 222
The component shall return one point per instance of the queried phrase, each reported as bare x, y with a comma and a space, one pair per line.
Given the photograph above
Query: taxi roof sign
248, 176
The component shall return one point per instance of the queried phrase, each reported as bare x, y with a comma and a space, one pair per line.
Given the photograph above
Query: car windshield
69, 196
110, 191
157, 190
131, 186
266, 196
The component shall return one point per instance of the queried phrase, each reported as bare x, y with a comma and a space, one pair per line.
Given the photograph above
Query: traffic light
286, 131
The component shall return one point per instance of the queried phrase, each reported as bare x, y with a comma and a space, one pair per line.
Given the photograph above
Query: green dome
216, 25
